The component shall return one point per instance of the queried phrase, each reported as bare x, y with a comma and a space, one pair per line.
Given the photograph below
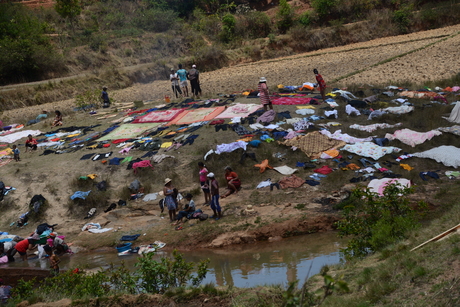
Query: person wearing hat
175, 83
182, 74
264, 94
188, 208
170, 202
105, 98
215, 206
194, 77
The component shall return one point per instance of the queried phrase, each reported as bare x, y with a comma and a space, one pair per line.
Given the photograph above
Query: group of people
179, 81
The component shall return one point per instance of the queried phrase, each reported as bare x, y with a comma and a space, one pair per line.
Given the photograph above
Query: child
188, 209
16, 153
54, 260
215, 206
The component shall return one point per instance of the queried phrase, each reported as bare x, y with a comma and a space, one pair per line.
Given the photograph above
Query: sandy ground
429, 55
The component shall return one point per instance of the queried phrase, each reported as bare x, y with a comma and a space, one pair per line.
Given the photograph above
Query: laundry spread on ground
16, 136
337, 135
446, 154
292, 100
373, 127
239, 110
128, 131
454, 116
371, 150
379, 185
411, 137
197, 115
313, 143
454, 129
159, 116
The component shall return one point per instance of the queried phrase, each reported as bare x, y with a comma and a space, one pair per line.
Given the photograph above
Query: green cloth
127, 159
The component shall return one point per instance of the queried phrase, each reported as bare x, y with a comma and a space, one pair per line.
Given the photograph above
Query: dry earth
429, 55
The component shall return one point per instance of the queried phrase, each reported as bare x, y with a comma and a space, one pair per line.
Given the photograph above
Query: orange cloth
263, 166
406, 167
332, 152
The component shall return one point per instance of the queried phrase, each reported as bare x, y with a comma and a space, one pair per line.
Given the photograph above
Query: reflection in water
277, 262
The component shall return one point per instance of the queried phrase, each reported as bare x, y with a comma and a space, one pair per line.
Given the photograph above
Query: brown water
277, 262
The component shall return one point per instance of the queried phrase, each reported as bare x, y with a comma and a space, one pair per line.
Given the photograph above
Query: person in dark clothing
194, 77
105, 98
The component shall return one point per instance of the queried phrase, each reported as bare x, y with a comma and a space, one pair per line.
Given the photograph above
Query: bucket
167, 99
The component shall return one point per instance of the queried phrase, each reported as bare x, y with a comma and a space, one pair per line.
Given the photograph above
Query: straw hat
167, 180
249, 208
262, 79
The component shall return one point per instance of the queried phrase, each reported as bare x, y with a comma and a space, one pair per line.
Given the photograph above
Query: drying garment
255, 143
317, 176
211, 151
324, 170
411, 137
189, 140
452, 174
454, 116
235, 120
257, 126
115, 161
127, 159
381, 141
375, 114
264, 184
447, 155
329, 154
150, 197
286, 114
16, 136
399, 110
240, 130
149, 154
357, 103
345, 94
285, 170
250, 155
302, 125
304, 112
266, 117
371, 150
87, 157
330, 114
263, 166
404, 166
313, 143
344, 137
379, 185
312, 182
291, 182
279, 134
371, 99
389, 93
429, 174
80, 194
223, 127
159, 158
351, 110
373, 127
230, 147
130, 237
454, 129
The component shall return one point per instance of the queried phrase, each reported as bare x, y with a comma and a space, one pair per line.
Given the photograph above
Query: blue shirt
16, 151
182, 73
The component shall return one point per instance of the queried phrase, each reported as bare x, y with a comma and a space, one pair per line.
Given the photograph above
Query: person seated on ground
58, 244
57, 119
31, 143
5, 292
188, 209
233, 182
23, 246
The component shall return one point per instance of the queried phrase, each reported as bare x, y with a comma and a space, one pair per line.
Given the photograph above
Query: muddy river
276, 262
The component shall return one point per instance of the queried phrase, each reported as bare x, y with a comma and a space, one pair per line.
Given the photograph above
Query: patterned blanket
371, 150
198, 115
239, 110
128, 131
159, 116
313, 144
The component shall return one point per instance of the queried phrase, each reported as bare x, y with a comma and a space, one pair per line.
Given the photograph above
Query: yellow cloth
406, 166
246, 139
330, 94
166, 144
72, 135
91, 176
246, 93
92, 146
332, 152
6, 152
280, 86
305, 107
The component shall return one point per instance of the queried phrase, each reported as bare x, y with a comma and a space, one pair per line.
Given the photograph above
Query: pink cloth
144, 163
292, 101
203, 174
323, 170
411, 137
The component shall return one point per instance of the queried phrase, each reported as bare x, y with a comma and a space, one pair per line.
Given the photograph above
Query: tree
68, 9
285, 16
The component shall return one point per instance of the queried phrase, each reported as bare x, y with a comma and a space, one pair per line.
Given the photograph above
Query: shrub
305, 19
285, 16
253, 25
228, 28
156, 20
402, 18
324, 7
375, 222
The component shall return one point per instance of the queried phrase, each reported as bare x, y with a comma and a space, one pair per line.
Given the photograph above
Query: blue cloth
80, 194
130, 238
255, 143
300, 164
115, 161
6, 240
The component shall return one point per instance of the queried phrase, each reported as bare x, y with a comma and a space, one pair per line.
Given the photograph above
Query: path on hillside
416, 57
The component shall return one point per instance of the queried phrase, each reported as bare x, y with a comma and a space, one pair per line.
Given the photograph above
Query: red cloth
292, 101
32, 141
55, 140
106, 145
323, 170
217, 122
137, 112
119, 141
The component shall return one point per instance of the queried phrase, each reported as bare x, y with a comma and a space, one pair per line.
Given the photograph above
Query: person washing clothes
321, 84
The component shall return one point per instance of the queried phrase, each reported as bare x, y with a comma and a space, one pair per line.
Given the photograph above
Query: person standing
204, 183
182, 74
175, 83
170, 202
321, 84
105, 98
16, 153
215, 206
264, 94
194, 77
